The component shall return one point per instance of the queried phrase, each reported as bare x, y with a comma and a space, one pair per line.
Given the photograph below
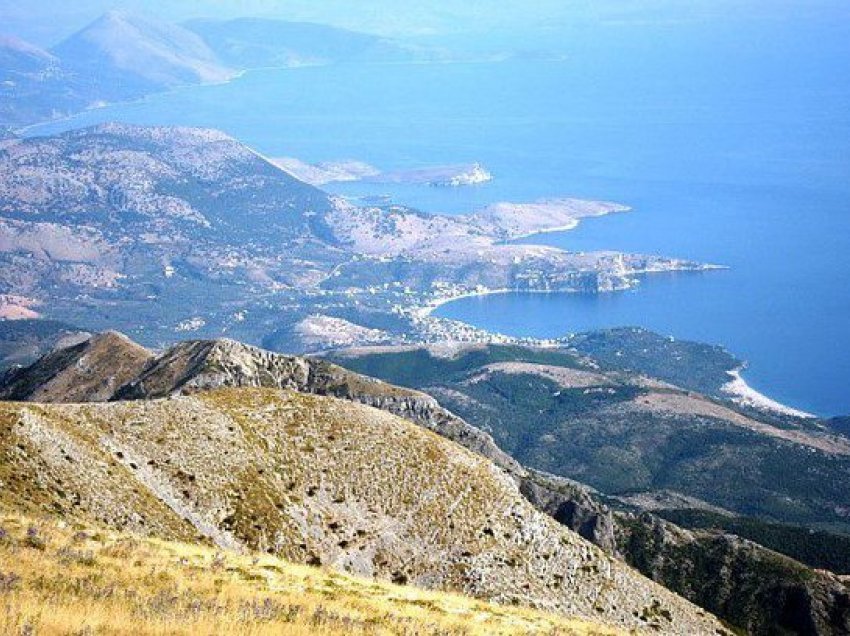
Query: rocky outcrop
193, 366
87, 372
749, 586
203, 365
573, 506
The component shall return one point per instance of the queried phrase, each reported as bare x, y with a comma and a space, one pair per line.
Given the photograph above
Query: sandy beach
744, 394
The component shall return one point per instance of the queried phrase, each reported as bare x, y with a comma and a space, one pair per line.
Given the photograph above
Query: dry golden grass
59, 579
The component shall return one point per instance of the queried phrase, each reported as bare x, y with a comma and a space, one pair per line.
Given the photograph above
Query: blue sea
730, 143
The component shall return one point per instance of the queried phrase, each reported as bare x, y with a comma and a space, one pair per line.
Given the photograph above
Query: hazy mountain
34, 84
18, 57
118, 56
124, 55
255, 43
469, 19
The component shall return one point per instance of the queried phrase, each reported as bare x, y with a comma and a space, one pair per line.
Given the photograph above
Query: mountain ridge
267, 43
148, 466
761, 585
127, 54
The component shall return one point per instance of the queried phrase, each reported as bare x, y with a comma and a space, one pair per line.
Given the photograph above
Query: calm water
732, 147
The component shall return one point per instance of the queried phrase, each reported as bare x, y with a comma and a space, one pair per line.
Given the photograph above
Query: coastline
26, 131
550, 230
435, 303
426, 310
745, 395
572, 225
737, 387
738, 390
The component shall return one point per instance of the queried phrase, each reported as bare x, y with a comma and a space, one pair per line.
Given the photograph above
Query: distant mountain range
124, 55
257, 43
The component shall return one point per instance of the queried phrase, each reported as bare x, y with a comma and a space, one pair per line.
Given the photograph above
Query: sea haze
730, 141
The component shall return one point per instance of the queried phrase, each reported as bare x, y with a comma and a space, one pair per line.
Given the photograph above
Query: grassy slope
317, 481
56, 578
